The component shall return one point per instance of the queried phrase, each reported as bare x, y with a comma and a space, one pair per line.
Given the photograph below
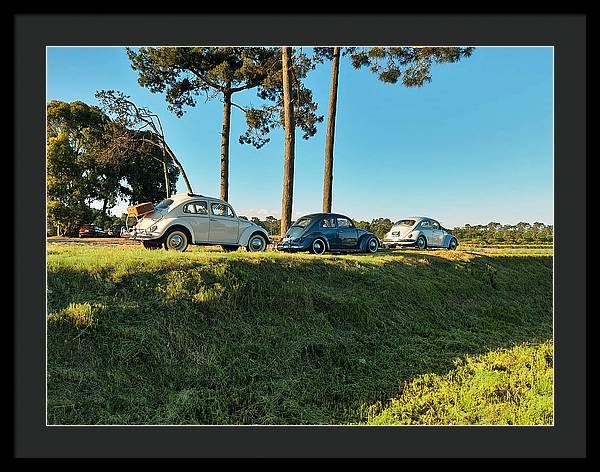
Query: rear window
404, 223
164, 204
302, 222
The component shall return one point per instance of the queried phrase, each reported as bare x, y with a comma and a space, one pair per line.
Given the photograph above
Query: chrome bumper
142, 235
392, 242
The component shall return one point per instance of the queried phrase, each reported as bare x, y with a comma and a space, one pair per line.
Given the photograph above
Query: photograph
300, 235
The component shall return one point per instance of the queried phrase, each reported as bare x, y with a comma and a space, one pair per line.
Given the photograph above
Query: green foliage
378, 226
208, 337
262, 120
84, 166
410, 65
74, 178
506, 386
270, 223
184, 73
497, 234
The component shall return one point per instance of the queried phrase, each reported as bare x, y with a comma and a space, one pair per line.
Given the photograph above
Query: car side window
220, 209
198, 208
344, 223
328, 223
425, 224
435, 225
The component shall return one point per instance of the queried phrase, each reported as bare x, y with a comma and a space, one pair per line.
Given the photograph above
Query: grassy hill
205, 337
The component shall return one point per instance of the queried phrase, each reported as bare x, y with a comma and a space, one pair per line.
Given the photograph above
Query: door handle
213, 219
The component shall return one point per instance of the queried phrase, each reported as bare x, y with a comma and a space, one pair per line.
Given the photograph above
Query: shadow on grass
278, 340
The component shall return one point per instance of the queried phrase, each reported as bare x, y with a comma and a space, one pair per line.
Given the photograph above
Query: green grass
508, 386
206, 337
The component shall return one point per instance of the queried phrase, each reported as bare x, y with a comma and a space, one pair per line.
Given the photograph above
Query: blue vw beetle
321, 232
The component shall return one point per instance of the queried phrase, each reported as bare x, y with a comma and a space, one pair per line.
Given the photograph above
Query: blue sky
475, 145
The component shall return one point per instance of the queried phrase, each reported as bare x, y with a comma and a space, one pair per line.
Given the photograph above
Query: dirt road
93, 241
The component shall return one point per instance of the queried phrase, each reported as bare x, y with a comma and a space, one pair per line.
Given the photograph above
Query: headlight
152, 228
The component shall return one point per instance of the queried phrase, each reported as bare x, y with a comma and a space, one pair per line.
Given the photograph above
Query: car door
347, 233
196, 214
437, 234
425, 228
328, 227
224, 225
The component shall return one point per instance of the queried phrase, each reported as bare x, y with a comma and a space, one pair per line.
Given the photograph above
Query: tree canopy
81, 171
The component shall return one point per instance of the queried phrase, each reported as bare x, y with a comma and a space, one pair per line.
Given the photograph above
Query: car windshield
404, 223
164, 204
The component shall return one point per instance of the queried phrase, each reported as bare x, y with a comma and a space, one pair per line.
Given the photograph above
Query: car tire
257, 243
453, 244
421, 242
318, 246
372, 245
176, 240
151, 245
229, 248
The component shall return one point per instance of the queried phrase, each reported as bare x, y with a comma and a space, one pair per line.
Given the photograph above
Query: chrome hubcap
421, 243
256, 244
373, 245
318, 247
175, 241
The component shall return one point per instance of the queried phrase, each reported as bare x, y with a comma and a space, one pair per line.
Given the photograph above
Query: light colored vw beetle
421, 232
189, 218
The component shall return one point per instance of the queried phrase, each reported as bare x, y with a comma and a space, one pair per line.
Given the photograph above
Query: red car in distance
91, 231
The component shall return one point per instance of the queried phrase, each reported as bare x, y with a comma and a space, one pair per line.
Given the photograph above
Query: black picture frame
32, 438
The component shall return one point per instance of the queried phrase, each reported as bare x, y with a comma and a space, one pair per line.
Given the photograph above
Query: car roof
182, 197
323, 215
416, 218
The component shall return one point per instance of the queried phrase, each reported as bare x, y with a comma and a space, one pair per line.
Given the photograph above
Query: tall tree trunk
328, 183
167, 183
104, 205
290, 128
178, 164
225, 145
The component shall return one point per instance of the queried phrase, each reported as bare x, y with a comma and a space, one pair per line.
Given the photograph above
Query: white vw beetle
421, 232
188, 218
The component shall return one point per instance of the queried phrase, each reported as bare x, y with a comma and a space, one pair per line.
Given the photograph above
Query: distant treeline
492, 233
496, 233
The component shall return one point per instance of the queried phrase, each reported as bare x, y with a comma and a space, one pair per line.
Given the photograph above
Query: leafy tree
409, 65
83, 168
378, 226
74, 178
521, 233
217, 72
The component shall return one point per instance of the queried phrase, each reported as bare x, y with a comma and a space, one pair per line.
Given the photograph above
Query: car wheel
229, 248
372, 245
318, 246
257, 243
422, 242
453, 244
176, 240
151, 244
